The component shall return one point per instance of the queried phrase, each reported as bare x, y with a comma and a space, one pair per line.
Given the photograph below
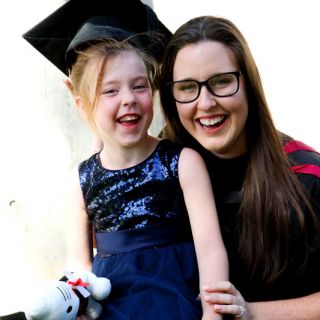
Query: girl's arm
210, 250
79, 247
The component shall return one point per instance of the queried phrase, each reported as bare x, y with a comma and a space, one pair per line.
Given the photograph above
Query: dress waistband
116, 242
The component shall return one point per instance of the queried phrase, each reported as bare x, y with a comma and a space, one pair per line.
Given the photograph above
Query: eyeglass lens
221, 85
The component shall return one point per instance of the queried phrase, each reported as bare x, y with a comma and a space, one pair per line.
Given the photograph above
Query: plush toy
75, 293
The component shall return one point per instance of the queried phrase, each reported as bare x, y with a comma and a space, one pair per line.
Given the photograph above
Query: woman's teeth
211, 121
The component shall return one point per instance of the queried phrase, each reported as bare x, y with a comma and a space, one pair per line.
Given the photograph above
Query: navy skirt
153, 273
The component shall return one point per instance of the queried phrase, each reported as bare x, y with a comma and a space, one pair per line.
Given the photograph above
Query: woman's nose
206, 99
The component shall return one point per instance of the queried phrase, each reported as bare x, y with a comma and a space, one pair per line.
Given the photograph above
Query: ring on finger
242, 311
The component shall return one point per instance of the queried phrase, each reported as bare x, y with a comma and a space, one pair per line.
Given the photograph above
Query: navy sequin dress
144, 242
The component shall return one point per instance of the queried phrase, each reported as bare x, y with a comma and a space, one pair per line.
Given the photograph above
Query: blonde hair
87, 72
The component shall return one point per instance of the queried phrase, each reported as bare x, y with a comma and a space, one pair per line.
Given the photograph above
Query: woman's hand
226, 299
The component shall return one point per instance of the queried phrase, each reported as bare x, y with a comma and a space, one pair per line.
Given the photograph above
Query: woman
213, 100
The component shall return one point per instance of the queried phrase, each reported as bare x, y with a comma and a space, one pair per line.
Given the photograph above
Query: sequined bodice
146, 194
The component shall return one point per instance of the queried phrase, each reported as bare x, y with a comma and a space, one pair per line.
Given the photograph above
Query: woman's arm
303, 308
210, 250
79, 247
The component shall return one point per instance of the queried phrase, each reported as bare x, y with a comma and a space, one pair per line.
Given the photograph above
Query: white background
42, 137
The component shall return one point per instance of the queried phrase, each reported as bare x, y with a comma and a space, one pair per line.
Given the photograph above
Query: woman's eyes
221, 82
186, 86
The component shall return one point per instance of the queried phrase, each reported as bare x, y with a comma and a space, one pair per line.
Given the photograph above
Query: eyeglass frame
200, 84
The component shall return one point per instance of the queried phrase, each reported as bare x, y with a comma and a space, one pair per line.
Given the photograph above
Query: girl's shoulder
167, 149
93, 160
166, 144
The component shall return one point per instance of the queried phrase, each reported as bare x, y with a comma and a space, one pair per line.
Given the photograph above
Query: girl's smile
124, 110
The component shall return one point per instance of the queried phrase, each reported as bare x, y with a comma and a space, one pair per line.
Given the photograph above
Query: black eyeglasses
221, 85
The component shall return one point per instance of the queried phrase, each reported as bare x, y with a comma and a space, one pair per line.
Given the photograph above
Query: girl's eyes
110, 92
141, 86
136, 87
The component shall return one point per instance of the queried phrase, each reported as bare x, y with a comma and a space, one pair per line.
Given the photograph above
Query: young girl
137, 193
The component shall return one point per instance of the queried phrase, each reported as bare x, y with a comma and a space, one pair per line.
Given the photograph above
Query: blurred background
42, 137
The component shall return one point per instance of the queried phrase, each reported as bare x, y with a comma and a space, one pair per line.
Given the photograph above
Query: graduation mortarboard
78, 22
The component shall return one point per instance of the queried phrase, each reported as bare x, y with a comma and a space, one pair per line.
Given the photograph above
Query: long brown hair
273, 200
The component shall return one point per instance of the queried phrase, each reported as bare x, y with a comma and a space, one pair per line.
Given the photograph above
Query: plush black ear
14, 316
64, 279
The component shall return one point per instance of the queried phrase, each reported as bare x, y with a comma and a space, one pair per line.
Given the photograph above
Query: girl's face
123, 112
217, 123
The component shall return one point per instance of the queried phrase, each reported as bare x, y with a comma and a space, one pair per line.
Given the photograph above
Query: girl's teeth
128, 118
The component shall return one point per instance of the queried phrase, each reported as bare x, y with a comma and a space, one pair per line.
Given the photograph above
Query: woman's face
217, 123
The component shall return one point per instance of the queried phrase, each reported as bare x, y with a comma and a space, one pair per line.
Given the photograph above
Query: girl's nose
127, 97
